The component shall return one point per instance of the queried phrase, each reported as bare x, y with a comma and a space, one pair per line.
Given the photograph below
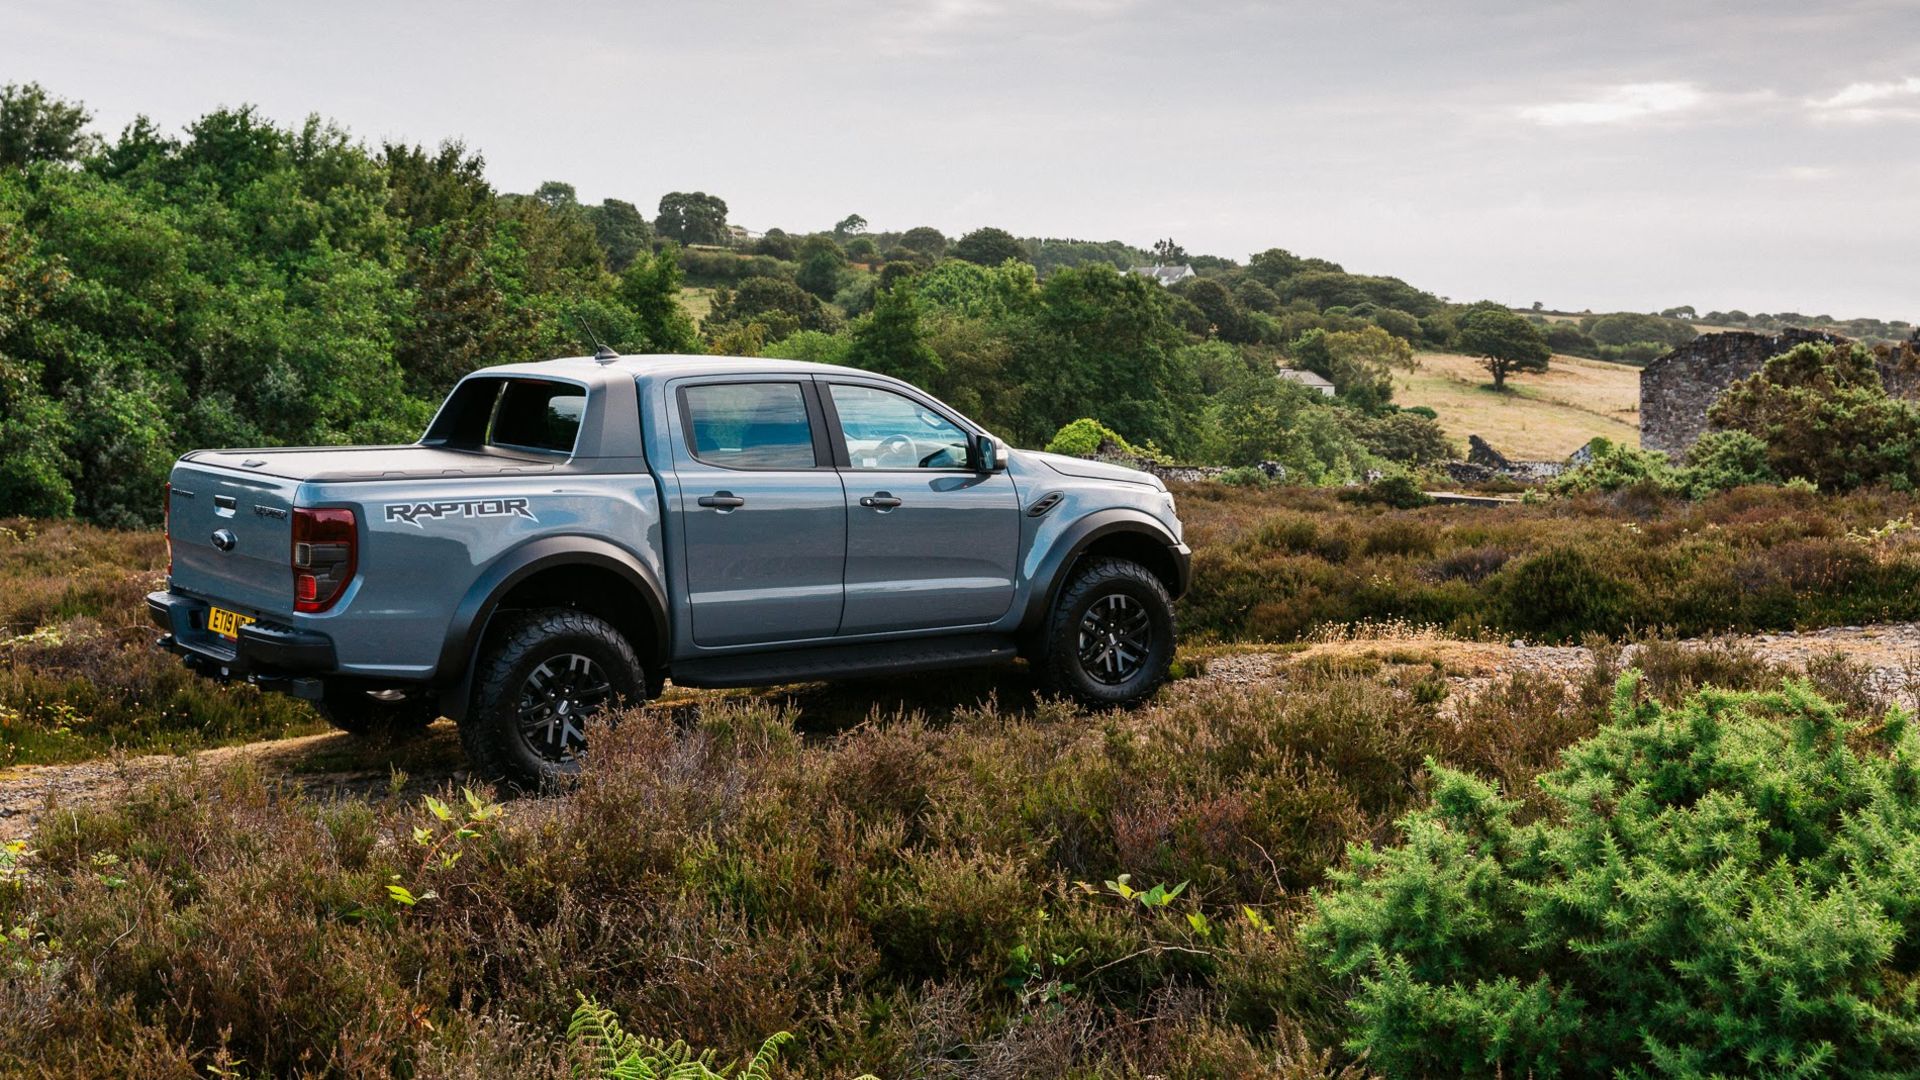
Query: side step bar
856, 660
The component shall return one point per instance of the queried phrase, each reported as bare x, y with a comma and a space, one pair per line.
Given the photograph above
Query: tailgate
232, 537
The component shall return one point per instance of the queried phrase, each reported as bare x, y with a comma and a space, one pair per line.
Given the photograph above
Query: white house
1307, 379
1165, 275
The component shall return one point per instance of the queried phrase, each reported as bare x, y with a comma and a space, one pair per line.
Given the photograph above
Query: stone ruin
1677, 389
1485, 463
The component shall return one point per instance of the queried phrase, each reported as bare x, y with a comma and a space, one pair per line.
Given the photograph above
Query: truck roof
588, 370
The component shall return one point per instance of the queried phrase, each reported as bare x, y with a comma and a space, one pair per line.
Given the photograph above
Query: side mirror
989, 454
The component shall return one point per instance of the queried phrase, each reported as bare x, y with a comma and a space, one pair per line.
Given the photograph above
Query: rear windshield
515, 414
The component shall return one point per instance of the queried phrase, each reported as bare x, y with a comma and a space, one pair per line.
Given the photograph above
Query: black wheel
360, 711
547, 672
1110, 637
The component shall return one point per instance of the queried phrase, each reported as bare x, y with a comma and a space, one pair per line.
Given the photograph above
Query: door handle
880, 500
723, 501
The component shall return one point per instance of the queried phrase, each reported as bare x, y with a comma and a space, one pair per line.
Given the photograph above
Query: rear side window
533, 414
748, 425
518, 414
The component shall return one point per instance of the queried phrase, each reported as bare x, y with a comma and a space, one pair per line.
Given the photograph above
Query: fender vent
1046, 502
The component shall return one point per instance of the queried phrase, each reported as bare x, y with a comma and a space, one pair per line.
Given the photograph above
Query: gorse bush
1719, 461
1726, 887
1612, 466
1824, 414
1084, 437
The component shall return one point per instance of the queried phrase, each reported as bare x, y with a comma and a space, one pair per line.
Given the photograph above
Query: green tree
1361, 364
1406, 438
924, 240
889, 338
1224, 317
692, 217
34, 432
1260, 418
779, 306
1505, 341
989, 247
35, 126
1168, 253
622, 230
1627, 327
1400, 324
822, 265
1102, 343
1254, 296
1275, 266
851, 225
556, 195
650, 288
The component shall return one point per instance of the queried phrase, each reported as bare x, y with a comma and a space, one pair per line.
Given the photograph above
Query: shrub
1612, 466
1085, 436
1564, 592
1824, 414
1725, 889
1724, 460
1399, 490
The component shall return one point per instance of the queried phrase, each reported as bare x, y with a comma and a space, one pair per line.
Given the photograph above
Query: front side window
534, 414
749, 425
885, 430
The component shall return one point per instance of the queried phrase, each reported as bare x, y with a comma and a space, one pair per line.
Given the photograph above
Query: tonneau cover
358, 463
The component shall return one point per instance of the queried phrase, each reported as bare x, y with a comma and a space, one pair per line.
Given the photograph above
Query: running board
857, 660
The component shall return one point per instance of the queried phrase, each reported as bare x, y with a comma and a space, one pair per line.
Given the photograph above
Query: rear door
930, 542
232, 533
762, 511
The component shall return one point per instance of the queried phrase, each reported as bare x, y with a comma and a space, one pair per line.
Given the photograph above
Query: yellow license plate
226, 623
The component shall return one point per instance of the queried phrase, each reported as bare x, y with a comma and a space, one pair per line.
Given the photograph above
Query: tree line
240, 282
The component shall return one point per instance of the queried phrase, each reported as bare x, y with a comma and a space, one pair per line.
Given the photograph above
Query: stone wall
1677, 389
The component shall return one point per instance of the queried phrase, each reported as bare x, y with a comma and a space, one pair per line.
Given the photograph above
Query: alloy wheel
555, 701
1116, 636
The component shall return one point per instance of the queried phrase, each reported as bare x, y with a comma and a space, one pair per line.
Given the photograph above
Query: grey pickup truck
573, 533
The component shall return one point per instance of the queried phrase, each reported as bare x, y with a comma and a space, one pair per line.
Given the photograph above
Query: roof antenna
601, 353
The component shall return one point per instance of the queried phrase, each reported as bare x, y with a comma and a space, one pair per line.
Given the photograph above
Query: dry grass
697, 300
1544, 417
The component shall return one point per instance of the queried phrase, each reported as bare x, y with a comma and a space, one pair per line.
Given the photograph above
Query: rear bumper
274, 657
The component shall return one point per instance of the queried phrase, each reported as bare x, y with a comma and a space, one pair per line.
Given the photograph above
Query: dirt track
341, 764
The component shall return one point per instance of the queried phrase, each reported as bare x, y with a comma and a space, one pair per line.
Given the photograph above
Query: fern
602, 1050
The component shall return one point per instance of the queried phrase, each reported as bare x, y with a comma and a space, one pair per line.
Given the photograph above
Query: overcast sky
1759, 155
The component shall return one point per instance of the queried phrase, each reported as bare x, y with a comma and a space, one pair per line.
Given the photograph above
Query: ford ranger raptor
569, 535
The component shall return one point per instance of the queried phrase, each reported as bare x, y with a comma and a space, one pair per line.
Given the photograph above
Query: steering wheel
895, 444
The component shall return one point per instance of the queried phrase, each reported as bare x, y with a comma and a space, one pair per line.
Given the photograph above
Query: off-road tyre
1109, 597
355, 711
534, 658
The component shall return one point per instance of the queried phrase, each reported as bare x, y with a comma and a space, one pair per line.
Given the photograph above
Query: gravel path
341, 764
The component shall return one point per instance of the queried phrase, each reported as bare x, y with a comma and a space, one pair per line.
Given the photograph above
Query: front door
764, 520
930, 542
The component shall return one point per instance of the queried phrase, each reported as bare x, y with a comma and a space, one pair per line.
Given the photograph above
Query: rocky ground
340, 764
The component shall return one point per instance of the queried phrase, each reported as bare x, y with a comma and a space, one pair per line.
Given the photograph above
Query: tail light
325, 552
166, 526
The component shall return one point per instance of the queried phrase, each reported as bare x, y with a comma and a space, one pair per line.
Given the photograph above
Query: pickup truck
568, 535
